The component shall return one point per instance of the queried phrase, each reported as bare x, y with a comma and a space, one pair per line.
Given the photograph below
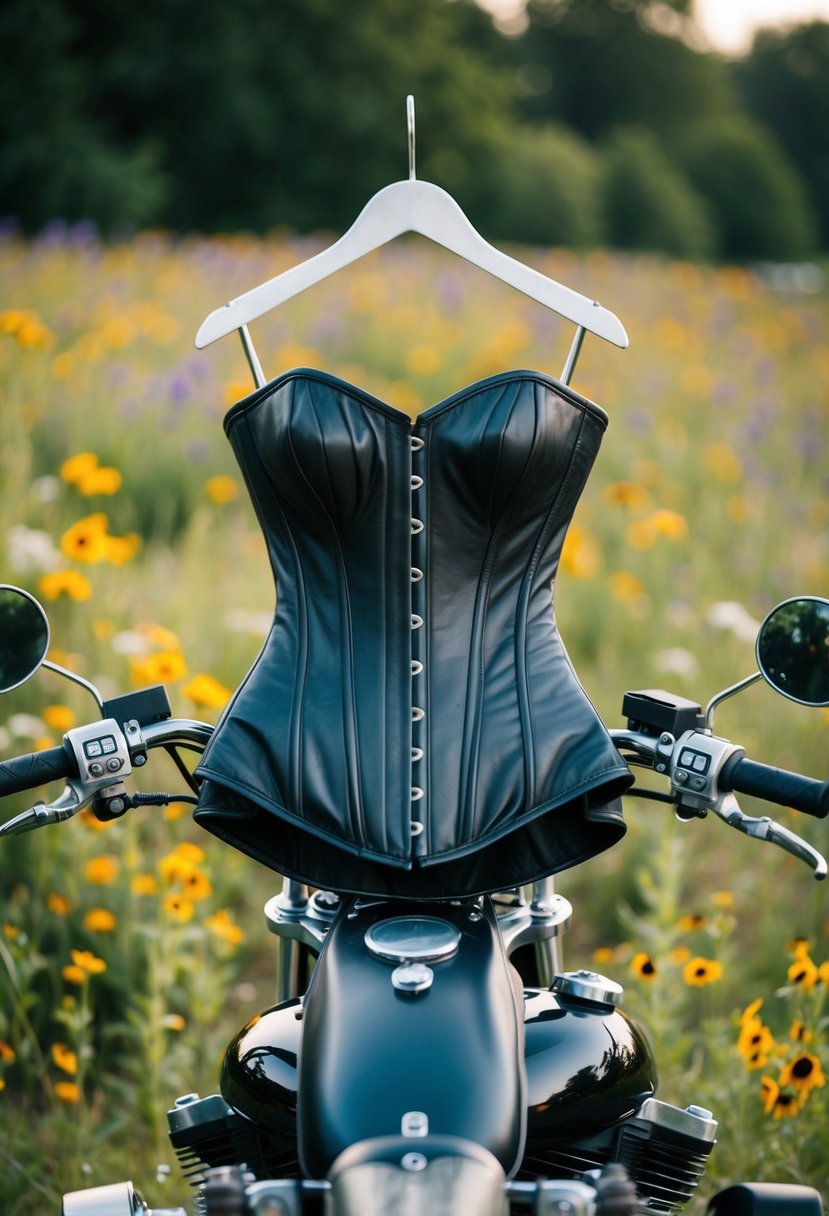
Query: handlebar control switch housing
654, 711
697, 761
101, 753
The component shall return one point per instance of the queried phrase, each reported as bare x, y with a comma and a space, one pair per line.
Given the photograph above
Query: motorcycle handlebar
37, 768
776, 785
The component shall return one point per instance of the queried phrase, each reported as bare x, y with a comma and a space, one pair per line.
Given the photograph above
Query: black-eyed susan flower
798, 946
178, 907
59, 717
751, 1010
101, 480
755, 1043
144, 884
701, 971
88, 961
803, 972
603, 954
627, 494
197, 885
694, 920
643, 966
76, 467
118, 550
803, 1074
799, 1032
164, 667
86, 540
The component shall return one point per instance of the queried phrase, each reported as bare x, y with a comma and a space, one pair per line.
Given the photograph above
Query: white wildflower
29, 550
677, 661
732, 616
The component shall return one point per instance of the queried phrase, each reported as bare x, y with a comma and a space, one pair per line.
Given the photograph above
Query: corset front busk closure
418, 650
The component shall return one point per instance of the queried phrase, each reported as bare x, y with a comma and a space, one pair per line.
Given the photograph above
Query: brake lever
40, 815
728, 809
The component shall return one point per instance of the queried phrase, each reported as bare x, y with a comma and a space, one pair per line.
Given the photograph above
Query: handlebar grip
777, 785
36, 768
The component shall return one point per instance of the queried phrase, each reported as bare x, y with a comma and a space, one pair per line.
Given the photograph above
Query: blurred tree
544, 184
785, 84
649, 202
58, 159
755, 193
266, 113
598, 64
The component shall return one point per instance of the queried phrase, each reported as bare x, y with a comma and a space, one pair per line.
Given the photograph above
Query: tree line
597, 123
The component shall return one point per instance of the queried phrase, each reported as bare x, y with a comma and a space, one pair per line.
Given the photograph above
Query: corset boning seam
349, 717
523, 607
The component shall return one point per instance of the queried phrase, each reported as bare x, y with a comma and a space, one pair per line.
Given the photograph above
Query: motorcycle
408, 1065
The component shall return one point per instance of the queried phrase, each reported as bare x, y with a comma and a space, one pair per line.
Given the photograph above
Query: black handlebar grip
777, 785
26, 772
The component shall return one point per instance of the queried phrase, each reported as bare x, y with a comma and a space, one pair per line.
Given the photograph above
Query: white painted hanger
412, 206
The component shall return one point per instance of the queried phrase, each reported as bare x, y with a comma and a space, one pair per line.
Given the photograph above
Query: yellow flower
86, 540
77, 467
158, 636
59, 717
222, 489
580, 554
800, 1032
67, 1091
700, 971
173, 1021
803, 1074
179, 907
103, 480
235, 390
643, 966
11, 931
118, 550
640, 534
222, 924
144, 884
722, 461
750, 1012
798, 947
91, 820
803, 972
625, 586
423, 359
87, 961
58, 904
627, 494
197, 885
603, 954
679, 954
65, 582
161, 668
73, 974
7, 1054
670, 524
723, 900
175, 810
755, 1043
99, 920
101, 870
206, 692
26, 327
65, 1059
103, 629
687, 924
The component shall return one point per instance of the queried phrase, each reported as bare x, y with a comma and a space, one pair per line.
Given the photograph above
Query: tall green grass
711, 489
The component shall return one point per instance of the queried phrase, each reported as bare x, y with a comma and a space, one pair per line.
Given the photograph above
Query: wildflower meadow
131, 952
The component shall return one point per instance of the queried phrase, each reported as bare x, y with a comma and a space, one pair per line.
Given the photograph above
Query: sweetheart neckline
366, 398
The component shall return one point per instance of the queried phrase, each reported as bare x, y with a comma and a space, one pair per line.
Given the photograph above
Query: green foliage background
216, 117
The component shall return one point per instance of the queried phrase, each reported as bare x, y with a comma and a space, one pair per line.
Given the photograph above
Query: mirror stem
76, 679
724, 695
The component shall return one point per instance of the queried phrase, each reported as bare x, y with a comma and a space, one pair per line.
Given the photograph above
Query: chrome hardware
416, 482
417, 621
417, 667
410, 939
416, 443
417, 575
588, 986
415, 1124
413, 1161
417, 754
415, 827
418, 714
417, 793
417, 526
412, 978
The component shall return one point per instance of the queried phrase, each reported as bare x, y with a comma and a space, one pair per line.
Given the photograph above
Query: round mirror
24, 637
793, 650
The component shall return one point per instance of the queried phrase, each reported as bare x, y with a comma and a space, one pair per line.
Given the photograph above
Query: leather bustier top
412, 725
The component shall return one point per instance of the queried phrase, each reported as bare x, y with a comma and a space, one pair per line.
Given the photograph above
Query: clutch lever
41, 814
764, 828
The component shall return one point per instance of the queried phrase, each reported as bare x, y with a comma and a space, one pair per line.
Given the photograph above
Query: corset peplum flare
412, 725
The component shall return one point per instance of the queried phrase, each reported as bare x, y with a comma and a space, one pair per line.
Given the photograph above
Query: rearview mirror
793, 650
24, 637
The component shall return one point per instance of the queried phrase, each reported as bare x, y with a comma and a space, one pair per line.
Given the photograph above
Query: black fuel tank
411, 1012
588, 1066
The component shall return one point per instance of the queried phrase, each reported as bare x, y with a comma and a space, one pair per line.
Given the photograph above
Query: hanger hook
410, 124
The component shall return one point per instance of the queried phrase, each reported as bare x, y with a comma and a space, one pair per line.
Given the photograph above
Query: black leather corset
413, 725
